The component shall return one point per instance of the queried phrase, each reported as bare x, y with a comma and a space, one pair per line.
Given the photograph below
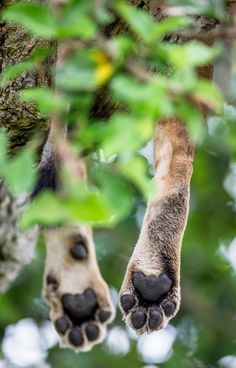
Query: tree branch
16, 246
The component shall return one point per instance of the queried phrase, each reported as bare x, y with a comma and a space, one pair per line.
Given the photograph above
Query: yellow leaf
104, 68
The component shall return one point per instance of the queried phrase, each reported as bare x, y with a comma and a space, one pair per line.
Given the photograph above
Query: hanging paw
74, 288
150, 294
149, 302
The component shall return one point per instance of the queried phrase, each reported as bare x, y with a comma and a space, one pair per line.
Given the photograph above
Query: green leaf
193, 120
145, 25
89, 208
123, 46
135, 169
36, 18
209, 94
140, 21
76, 21
172, 24
116, 194
142, 97
46, 100
20, 173
3, 148
191, 54
126, 133
55, 212
13, 71
86, 70
82, 206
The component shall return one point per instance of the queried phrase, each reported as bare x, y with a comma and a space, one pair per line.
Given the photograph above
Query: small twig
224, 33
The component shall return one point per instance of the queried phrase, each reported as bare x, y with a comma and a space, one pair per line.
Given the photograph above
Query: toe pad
138, 319
127, 301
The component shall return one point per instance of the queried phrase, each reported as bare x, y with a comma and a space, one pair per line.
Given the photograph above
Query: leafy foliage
148, 78
129, 73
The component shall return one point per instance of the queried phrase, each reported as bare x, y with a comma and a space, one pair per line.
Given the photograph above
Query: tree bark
21, 121
16, 246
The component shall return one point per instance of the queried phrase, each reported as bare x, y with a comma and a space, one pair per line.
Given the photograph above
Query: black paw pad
155, 318
150, 287
104, 315
127, 301
79, 251
52, 281
138, 319
79, 305
169, 308
92, 332
76, 337
62, 325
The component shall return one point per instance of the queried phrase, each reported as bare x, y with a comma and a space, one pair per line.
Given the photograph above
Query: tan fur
166, 215
158, 249
74, 277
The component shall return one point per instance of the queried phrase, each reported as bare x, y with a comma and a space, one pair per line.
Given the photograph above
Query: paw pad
79, 251
169, 308
83, 319
79, 305
127, 302
155, 318
52, 282
104, 315
76, 337
62, 325
78, 296
92, 332
138, 319
150, 304
150, 287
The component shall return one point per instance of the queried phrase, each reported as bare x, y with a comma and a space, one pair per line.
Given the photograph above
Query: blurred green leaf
115, 193
193, 119
135, 169
20, 173
208, 94
141, 22
34, 17
80, 206
13, 71
148, 99
46, 209
3, 148
86, 71
126, 133
46, 100
190, 54
76, 20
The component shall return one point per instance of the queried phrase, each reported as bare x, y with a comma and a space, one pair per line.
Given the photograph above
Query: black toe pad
155, 318
138, 319
151, 288
76, 337
62, 325
127, 301
169, 308
79, 251
92, 332
104, 315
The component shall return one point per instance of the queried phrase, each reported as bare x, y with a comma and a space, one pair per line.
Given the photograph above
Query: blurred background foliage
120, 167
